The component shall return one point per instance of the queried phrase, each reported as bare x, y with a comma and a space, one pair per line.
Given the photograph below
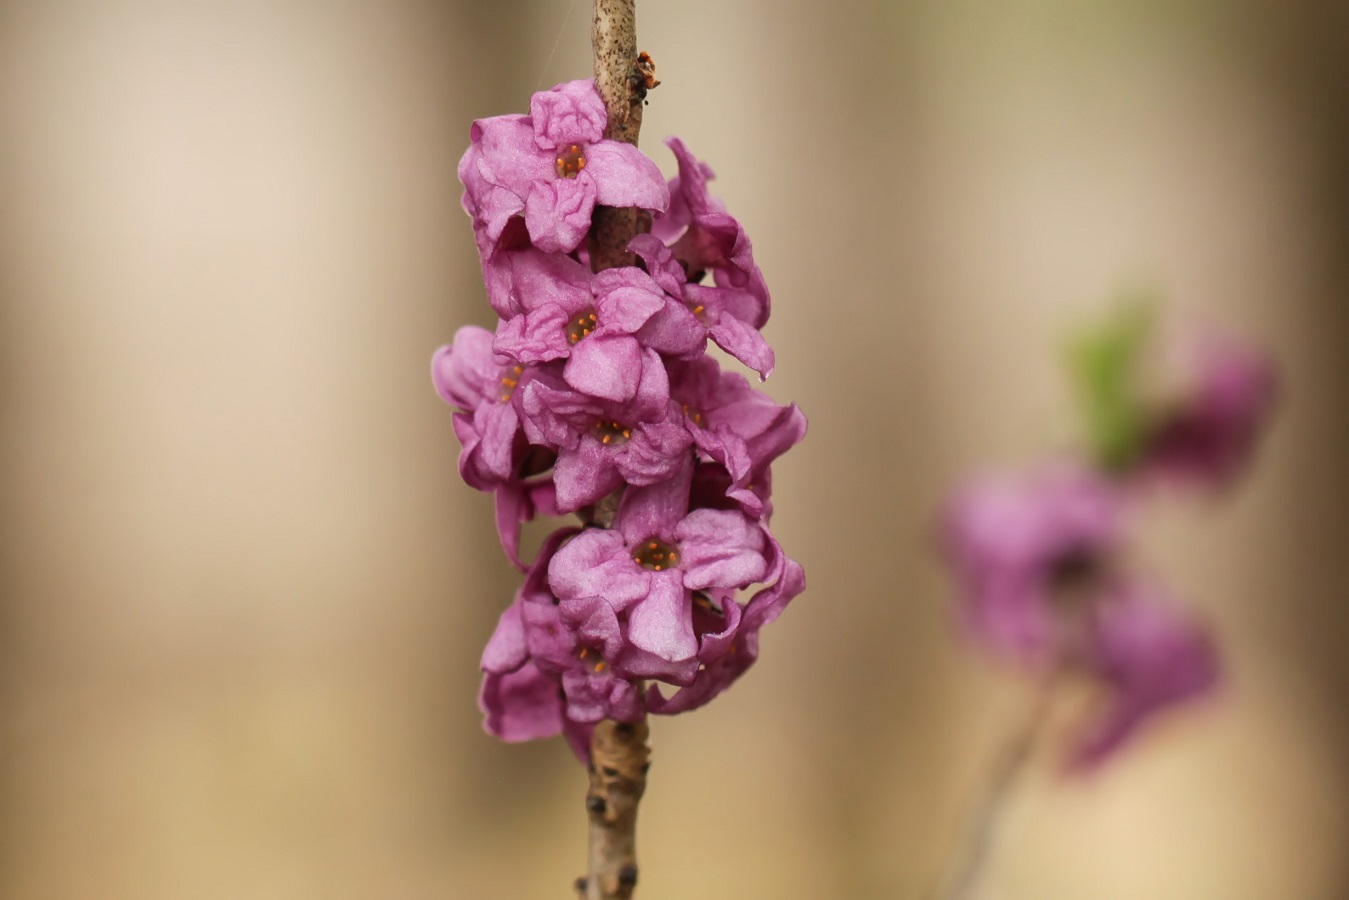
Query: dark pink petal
624, 176
596, 563
625, 298
585, 474
553, 644
552, 413
999, 526
1150, 657
505, 650
660, 263
577, 736
725, 663
744, 342
538, 279
1209, 437
587, 696
520, 706
719, 548
654, 452
634, 662
662, 624
570, 113
536, 336
464, 373
469, 440
557, 212
608, 367
599, 626
496, 209
688, 192
1012, 616
674, 330
520, 501
653, 391
769, 602
496, 424
655, 510
510, 158
724, 446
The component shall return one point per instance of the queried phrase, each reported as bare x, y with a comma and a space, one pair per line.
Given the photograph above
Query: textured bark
618, 80
619, 756
619, 759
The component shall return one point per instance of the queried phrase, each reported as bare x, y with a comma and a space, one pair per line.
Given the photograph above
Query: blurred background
243, 592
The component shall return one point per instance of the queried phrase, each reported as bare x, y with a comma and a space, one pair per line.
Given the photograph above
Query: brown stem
971, 860
614, 39
619, 756
619, 759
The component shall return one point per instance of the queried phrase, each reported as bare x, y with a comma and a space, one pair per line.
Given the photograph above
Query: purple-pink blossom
647, 568
1149, 655
1042, 580
551, 167
1023, 549
595, 393
1209, 434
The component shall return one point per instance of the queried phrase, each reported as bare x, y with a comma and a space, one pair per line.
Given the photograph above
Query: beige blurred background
243, 594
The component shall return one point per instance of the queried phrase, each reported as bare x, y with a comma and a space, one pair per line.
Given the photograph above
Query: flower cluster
596, 389
1040, 559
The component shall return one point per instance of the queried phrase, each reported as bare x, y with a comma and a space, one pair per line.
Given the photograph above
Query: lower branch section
619, 759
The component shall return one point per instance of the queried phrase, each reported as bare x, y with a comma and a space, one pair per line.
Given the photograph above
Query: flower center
570, 162
581, 325
655, 554
699, 311
1075, 579
610, 432
694, 415
510, 379
593, 661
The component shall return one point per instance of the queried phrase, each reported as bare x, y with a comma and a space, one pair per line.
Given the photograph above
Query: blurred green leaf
1105, 363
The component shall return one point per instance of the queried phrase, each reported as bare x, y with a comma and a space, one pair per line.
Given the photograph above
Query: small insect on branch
643, 76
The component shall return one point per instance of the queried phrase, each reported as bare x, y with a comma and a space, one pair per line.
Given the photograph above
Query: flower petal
720, 548
608, 367
557, 212
585, 474
570, 113
662, 624
624, 176
596, 563
520, 706
654, 511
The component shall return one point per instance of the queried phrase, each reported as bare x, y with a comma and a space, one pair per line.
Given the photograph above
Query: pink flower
1148, 657
1022, 547
1038, 562
704, 238
603, 444
593, 330
552, 167
1209, 436
725, 315
481, 385
736, 426
647, 569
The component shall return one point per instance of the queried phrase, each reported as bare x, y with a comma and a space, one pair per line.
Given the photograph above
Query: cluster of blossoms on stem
596, 396
1040, 558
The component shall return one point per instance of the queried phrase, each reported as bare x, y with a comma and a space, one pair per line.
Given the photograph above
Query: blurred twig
967, 866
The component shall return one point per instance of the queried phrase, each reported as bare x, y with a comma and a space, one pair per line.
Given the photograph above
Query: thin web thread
556, 42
